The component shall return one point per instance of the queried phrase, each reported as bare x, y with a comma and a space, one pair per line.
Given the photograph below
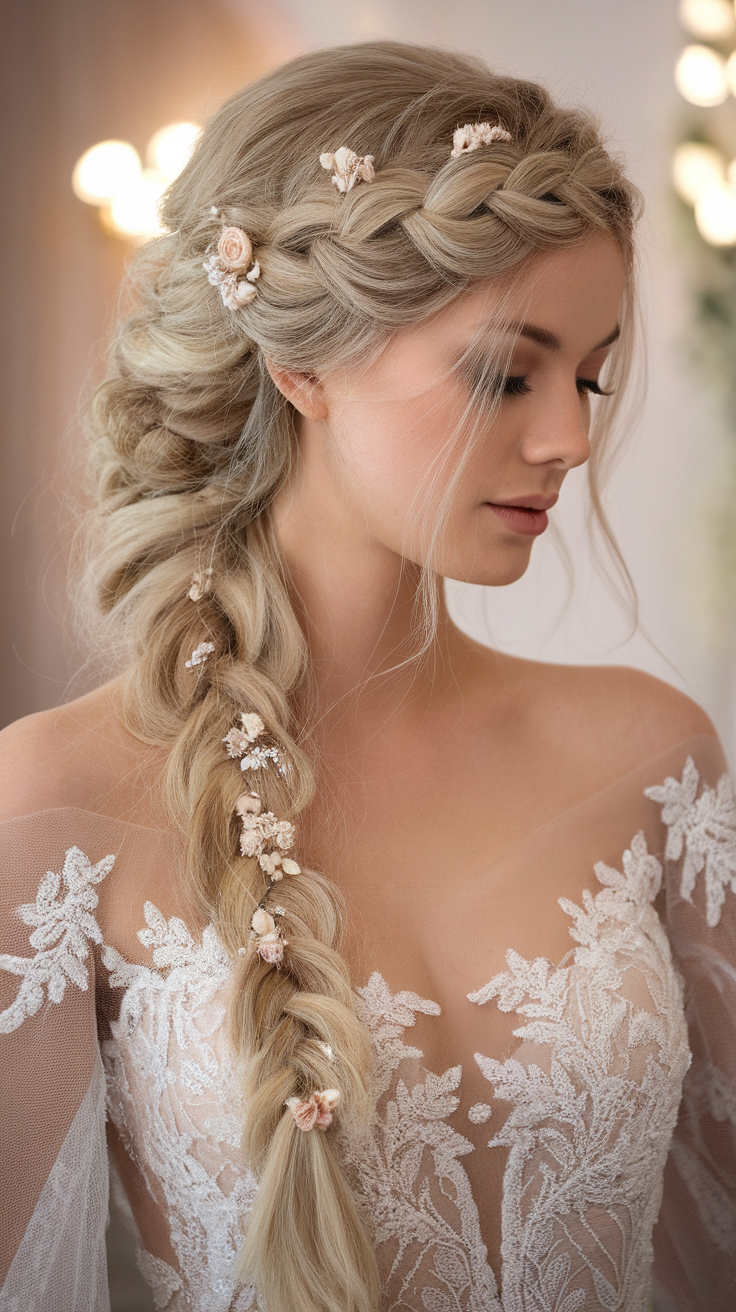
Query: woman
361, 361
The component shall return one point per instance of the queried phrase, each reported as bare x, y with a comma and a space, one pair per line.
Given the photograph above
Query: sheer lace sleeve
695, 1239
53, 1156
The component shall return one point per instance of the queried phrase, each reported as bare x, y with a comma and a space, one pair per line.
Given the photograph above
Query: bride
401, 972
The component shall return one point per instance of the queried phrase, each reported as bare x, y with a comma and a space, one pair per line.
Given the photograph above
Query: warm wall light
170, 148
134, 211
104, 170
715, 215
695, 167
110, 176
700, 74
711, 20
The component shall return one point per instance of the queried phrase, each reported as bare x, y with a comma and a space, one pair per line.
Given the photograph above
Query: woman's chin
491, 574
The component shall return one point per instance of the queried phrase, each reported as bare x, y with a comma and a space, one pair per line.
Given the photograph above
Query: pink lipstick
527, 515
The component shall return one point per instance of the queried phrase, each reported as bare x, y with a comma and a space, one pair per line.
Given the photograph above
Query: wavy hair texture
192, 440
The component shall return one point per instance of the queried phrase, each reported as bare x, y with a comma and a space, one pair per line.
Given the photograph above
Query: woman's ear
303, 390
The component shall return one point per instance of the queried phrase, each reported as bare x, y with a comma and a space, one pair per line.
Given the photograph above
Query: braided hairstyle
192, 442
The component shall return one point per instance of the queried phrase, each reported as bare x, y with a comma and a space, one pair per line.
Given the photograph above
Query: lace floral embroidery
705, 827
407, 1175
63, 929
173, 1098
594, 1093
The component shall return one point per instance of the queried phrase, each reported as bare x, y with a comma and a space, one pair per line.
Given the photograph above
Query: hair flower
317, 1110
266, 937
348, 168
200, 654
201, 583
240, 738
234, 254
261, 828
235, 248
473, 135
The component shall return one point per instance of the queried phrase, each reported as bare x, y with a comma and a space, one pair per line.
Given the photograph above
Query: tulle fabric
573, 1006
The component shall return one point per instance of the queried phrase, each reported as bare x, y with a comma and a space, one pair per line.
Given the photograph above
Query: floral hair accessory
317, 1110
234, 255
261, 827
266, 937
200, 654
240, 742
473, 135
201, 583
240, 738
348, 168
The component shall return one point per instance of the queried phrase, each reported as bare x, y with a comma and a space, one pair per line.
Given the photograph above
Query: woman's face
379, 443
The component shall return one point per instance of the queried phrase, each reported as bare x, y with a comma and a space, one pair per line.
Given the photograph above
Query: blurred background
76, 73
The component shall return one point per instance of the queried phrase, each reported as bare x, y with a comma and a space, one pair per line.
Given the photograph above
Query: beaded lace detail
63, 929
703, 828
407, 1173
593, 1091
173, 1100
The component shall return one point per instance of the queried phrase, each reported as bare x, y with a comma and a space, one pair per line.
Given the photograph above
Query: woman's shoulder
625, 704
77, 755
599, 722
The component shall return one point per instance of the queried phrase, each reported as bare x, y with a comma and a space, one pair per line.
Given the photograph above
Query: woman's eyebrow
543, 337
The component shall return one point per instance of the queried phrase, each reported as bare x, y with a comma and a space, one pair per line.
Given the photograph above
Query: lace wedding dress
554, 1130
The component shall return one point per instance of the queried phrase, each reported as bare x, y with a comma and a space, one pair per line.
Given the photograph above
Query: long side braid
193, 441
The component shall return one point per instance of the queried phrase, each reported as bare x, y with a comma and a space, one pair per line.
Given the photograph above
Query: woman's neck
360, 607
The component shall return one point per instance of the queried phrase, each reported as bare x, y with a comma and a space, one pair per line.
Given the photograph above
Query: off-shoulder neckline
643, 766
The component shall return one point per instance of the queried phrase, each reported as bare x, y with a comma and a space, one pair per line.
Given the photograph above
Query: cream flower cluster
347, 168
266, 936
200, 584
317, 1110
473, 135
200, 654
224, 268
261, 828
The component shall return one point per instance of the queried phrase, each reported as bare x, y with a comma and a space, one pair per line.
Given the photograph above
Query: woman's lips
530, 519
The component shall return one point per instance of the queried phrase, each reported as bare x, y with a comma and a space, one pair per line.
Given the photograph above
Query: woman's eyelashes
518, 385
489, 386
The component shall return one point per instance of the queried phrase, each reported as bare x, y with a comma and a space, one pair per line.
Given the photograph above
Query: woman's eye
588, 385
516, 385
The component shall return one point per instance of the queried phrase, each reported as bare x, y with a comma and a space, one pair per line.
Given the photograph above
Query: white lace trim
593, 1115
174, 1101
705, 827
63, 930
407, 1176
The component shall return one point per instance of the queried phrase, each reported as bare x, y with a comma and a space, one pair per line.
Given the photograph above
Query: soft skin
369, 435
350, 523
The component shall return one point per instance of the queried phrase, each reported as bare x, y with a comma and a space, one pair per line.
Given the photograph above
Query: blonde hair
193, 441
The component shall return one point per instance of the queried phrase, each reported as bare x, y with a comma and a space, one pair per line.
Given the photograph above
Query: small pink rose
271, 949
235, 248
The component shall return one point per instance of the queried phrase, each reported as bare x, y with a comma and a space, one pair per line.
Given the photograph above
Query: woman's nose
559, 432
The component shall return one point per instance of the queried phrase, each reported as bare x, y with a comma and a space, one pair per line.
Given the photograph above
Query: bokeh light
134, 211
170, 148
695, 167
712, 20
715, 215
700, 74
110, 175
105, 170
